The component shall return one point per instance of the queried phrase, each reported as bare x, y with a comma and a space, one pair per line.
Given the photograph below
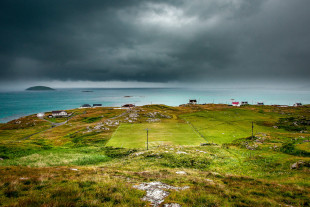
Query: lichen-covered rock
300, 164
180, 152
181, 172
172, 205
155, 193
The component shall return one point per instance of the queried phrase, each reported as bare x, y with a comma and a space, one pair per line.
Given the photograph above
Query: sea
21, 103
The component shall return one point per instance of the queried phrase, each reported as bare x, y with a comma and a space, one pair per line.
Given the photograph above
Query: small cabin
297, 104
59, 114
244, 103
260, 103
86, 106
235, 103
97, 105
192, 101
128, 105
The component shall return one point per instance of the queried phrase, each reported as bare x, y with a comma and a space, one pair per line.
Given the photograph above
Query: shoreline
182, 105
19, 104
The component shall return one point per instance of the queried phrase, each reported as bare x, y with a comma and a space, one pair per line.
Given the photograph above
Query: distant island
40, 88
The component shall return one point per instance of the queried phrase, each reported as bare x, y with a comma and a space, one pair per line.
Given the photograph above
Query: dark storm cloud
155, 41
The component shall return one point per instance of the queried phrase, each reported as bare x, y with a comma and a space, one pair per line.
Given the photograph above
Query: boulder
294, 165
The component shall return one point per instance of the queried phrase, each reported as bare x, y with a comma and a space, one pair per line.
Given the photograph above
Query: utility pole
252, 129
147, 139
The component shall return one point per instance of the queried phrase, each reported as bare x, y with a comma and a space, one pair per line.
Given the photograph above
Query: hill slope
71, 164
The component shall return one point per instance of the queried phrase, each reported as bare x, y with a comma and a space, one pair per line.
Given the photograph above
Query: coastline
24, 103
119, 107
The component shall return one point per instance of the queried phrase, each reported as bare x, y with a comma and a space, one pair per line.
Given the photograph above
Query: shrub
292, 124
15, 152
118, 152
289, 148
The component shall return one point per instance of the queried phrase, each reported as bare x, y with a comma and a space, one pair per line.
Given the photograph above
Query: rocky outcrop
155, 193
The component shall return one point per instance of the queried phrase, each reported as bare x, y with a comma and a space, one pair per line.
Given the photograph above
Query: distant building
260, 103
97, 105
235, 103
59, 114
86, 106
192, 101
297, 104
243, 103
128, 105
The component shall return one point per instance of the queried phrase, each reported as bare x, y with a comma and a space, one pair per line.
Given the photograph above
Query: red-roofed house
235, 103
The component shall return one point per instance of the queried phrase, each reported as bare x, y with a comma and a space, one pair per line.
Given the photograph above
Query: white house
235, 103
59, 114
297, 104
192, 101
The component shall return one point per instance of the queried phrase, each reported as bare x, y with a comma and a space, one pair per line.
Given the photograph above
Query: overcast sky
156, 43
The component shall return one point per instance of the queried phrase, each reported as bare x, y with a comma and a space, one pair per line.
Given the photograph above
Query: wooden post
252, 129
147, 139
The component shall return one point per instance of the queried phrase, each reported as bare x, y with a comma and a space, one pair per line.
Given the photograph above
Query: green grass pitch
134, 135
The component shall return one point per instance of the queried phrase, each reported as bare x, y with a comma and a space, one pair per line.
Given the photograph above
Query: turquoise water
17, 104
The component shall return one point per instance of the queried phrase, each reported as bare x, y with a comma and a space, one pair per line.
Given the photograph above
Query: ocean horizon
22, 103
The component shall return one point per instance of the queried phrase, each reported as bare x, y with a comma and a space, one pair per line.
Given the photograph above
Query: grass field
225, 126
134, 135
91, 161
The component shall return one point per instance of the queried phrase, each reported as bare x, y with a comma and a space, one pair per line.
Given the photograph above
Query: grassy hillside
99, 157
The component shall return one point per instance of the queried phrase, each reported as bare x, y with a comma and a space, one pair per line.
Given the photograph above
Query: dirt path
194, 129
53, 125
122, 114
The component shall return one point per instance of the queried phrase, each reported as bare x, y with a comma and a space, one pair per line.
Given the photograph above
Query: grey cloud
155, 41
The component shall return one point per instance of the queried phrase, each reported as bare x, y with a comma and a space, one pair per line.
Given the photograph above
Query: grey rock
180, 152
172, 205
155, 193
181, 172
